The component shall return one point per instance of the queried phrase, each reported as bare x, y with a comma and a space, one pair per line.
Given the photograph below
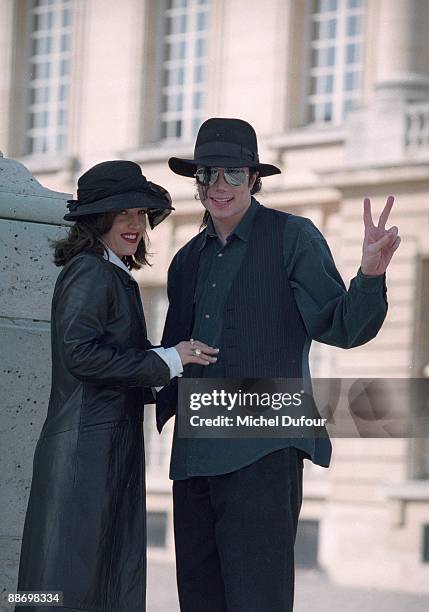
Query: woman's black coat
85, 529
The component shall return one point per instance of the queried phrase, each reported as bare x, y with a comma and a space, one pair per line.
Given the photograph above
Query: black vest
263, 333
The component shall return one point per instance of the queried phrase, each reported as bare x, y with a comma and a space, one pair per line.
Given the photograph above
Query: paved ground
314, 593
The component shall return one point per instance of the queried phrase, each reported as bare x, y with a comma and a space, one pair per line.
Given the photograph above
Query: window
336, 59
184, 68
49, 69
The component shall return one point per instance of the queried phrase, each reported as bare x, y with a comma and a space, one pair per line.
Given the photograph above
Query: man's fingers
376, 246
396, 243
392, 249
386, 212
367, 217
393, 233
387, 239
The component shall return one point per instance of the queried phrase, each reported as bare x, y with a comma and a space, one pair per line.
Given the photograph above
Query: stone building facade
338, 92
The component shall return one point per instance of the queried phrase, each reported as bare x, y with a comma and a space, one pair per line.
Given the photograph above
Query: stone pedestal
30, 216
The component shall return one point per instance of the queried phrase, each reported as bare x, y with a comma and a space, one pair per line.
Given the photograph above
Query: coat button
207, 316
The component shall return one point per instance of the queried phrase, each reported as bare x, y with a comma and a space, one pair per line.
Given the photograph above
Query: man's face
224, 201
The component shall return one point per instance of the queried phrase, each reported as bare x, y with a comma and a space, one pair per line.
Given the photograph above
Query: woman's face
126, 232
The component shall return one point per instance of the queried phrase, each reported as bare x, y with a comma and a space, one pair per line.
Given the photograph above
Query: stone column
403, 50
30, 215
378, 133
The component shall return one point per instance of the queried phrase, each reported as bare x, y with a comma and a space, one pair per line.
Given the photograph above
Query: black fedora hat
226, 143
117, 185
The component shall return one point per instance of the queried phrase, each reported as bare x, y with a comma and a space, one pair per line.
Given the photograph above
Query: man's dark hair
85, 235
257, 186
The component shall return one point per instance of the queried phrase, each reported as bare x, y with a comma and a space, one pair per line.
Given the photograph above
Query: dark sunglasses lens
206, 176
201, 177
235, 176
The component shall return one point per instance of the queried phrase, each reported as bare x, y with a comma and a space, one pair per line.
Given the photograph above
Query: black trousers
235, 536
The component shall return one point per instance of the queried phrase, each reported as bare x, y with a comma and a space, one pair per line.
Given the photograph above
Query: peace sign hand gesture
379, 244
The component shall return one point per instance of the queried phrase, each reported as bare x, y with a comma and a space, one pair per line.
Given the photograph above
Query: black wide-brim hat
224, 143
117, 185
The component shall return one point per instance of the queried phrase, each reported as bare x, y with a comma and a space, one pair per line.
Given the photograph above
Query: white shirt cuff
171, 358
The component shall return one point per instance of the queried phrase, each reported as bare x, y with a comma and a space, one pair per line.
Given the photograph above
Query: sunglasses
206, 176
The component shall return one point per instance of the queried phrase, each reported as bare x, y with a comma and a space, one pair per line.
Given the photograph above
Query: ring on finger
197, 352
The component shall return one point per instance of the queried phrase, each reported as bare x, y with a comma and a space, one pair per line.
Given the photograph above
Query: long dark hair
257, 186
85, 235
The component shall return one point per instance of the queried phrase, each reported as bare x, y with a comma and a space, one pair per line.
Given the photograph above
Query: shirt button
213, 284
207, 316
220, 254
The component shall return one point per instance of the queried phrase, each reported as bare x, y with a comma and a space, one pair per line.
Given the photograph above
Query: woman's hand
194, 351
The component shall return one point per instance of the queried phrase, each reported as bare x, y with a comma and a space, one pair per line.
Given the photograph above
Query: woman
85, 527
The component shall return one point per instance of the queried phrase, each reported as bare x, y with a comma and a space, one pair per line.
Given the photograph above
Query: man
259, 284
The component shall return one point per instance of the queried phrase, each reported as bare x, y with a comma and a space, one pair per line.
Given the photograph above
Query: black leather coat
85, 529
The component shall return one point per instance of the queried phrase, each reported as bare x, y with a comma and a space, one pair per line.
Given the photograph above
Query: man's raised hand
379, 244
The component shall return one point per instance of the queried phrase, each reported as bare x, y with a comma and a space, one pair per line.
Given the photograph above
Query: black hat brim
158, 208
188, 167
